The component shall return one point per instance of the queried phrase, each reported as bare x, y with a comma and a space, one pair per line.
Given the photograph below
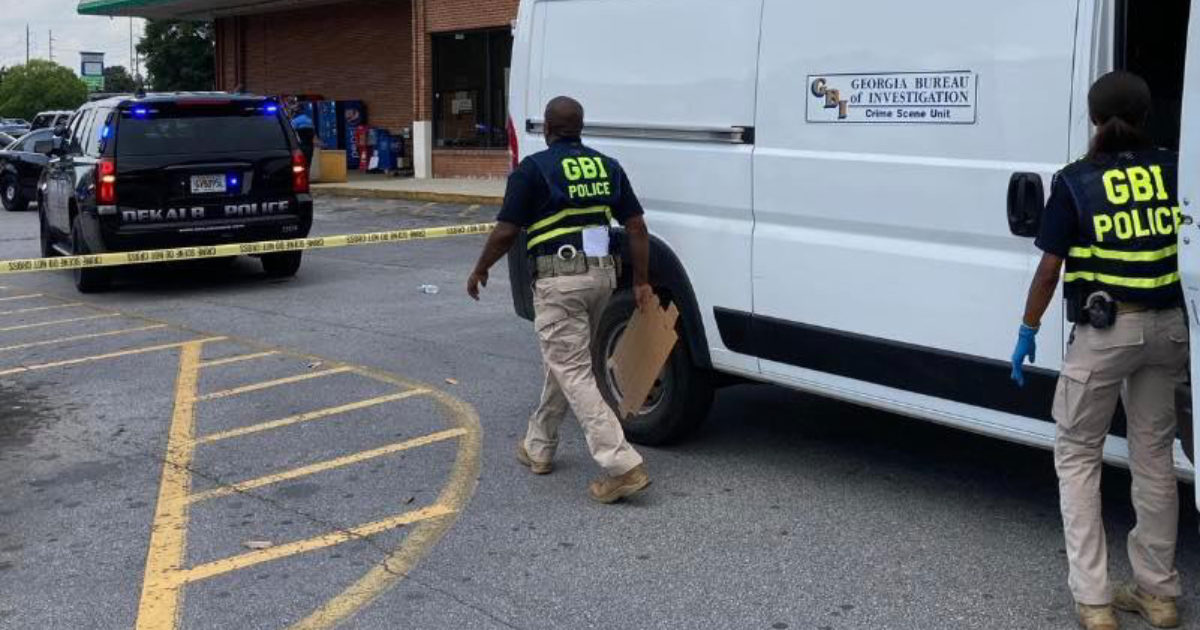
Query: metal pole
51, 44
26, 44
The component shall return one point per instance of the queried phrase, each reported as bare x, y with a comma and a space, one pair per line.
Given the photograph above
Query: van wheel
681, 396
282, 265
44, 238
10, 195
95, 279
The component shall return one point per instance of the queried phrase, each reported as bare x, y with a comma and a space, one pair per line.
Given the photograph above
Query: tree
179, 55
39, 85
117, 79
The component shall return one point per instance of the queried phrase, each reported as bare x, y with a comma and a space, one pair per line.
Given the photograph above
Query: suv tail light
512, 144
106, 187
299, 172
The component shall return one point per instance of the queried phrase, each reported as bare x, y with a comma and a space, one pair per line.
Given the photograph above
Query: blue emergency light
140, 112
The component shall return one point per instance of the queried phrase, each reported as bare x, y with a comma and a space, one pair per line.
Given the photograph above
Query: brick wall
377, 51
357, 50
463, 15
470, 162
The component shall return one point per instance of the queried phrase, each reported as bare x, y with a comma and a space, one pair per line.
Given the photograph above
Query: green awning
190, 9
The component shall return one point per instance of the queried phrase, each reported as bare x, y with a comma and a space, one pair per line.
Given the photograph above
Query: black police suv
174, 170
21, 165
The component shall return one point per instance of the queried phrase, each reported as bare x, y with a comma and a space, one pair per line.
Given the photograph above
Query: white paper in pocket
595, 241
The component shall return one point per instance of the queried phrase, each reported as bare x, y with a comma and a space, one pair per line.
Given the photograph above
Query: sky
72, 33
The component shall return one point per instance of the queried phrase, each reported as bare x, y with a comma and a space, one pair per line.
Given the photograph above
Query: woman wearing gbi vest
1112, 217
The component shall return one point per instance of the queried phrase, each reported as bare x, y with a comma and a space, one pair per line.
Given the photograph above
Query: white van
843, 195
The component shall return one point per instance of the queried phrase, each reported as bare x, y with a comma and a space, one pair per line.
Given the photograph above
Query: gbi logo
832, 96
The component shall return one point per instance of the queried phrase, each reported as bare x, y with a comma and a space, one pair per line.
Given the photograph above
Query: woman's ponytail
1116, 135
1119, 104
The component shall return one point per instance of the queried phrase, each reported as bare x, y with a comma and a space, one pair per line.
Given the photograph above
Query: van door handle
1026, 201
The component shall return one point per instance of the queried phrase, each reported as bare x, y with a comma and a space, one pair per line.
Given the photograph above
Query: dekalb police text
200, 212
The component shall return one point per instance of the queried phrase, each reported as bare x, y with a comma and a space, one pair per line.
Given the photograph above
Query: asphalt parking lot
206, 448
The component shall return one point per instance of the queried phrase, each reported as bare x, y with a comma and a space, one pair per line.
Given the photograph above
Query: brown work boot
1158, 611
538, 468
613, 489
1096, 617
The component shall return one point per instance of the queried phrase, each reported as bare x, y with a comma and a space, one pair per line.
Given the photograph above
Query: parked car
14, 129
21, 165
174, 170
6, 139
50, 119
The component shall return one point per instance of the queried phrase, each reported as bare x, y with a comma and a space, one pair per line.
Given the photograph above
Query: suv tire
92, 280
282, 265
682, 396
10, 194
45, 239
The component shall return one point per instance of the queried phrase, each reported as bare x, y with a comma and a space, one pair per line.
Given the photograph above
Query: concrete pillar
423, 149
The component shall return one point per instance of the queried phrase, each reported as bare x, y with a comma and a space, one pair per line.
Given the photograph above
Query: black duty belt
570, 262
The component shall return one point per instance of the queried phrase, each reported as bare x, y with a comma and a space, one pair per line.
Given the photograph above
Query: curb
408, 195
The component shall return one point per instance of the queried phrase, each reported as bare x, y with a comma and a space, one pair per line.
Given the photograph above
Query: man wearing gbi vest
1113, 218
566, 198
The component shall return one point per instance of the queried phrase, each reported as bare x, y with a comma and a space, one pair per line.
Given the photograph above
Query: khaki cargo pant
1141, 359
567, 310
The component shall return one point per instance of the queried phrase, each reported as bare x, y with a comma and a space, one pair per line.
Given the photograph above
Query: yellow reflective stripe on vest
571, 212
1119, 281
553, 234
1111, 254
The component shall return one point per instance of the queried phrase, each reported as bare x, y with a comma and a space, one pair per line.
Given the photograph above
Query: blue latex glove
1026, 347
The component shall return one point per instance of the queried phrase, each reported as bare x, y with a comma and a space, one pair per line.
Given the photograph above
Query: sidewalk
467, 191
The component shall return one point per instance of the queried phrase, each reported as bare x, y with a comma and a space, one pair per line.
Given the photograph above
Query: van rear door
887, 137
1189, 191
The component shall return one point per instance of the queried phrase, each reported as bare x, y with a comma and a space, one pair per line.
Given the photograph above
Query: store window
470, 88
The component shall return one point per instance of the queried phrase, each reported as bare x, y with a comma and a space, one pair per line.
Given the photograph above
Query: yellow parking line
21, 297
308, 416
50, 342
41, 308
328, 464
267, 384
101, 357
159, 607
59, 321
242, 561
237, 359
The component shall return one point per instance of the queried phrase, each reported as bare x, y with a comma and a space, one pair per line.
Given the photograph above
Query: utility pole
26, 43
51, 45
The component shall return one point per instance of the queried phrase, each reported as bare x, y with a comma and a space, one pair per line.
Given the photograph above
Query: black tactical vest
584, 186
1128, 218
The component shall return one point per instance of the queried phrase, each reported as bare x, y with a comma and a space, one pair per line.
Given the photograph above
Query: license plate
205, 184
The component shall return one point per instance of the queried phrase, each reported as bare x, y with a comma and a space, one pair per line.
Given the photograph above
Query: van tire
90, 280
10, 195
282, 265
685, 392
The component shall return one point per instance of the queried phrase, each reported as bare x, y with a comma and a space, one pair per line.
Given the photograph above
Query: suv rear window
169, 130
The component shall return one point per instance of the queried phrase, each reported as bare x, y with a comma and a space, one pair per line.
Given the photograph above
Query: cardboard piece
641, 354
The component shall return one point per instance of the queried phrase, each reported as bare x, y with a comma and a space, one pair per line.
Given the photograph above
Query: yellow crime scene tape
237, 249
